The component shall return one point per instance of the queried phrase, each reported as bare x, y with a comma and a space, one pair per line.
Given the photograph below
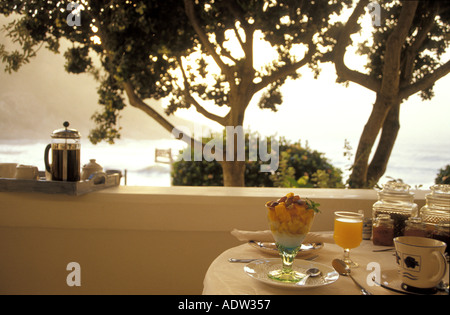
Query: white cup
27, 172
421, 261
8, 170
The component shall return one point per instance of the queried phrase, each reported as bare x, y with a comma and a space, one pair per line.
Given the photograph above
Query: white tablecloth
225, 278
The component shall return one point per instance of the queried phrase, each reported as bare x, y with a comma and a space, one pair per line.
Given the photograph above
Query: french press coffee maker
65, 148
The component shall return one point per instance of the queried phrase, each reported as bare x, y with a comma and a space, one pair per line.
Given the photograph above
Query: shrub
443, 177
299, 167
204, 173
303, 167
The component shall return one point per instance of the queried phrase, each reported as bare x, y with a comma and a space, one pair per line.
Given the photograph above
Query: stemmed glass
286, 273
348, 228
290, 220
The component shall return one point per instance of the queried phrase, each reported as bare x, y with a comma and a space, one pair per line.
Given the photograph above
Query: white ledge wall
138, 240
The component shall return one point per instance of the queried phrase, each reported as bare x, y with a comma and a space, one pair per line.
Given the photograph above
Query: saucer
259, 269
391, 280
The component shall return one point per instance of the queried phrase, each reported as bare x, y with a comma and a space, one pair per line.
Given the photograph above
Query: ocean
415, 166
136, 157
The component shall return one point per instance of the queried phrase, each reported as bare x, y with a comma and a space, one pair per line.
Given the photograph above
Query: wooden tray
95, 183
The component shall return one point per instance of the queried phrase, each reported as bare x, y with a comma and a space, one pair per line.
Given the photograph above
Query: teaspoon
311, 272
344, 270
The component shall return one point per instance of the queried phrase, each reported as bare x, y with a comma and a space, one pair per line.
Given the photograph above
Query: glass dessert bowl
290, 219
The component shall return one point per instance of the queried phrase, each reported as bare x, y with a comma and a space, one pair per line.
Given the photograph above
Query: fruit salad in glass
290, 219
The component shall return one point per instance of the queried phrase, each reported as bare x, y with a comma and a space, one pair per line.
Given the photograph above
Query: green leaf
313, 205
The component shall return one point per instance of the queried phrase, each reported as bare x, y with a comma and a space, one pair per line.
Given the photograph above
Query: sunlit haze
319, 112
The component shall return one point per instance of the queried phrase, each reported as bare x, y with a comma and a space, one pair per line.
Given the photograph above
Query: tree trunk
399, 62
391, 126
233, 164
358, 177
233, 173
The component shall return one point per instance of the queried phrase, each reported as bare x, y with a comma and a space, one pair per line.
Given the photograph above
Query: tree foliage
134, 41
192, 52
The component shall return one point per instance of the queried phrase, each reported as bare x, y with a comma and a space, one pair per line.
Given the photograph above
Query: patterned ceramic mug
421, 261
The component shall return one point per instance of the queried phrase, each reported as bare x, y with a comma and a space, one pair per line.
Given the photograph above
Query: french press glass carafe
65, 148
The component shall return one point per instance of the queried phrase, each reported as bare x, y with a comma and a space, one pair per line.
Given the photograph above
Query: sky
325, 114
322, 111
37, 99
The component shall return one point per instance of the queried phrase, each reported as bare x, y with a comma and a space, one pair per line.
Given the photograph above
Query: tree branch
135, 101
238, 15
284, 71
192, 101
237, 12
238, 36
247, 71
413, 49
390, 83
226, 53
426, 82
342, 70
190, 12
248, 48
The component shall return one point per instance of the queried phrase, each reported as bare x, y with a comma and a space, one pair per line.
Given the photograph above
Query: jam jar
437, 208
442, 233
415, 227
383, 230
396, 200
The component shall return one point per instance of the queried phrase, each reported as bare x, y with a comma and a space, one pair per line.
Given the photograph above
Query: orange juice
348, 232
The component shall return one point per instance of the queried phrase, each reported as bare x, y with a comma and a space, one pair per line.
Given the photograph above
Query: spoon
311, 272
344, 270
383, 250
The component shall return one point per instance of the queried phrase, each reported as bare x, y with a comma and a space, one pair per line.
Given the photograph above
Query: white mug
8, 170
27, 172
421, 261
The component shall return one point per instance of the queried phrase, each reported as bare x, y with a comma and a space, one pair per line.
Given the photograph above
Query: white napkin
266, 236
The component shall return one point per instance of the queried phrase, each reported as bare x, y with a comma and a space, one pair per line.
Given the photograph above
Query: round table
225, 278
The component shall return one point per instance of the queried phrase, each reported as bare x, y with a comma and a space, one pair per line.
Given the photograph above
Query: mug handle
442, 262
47, 164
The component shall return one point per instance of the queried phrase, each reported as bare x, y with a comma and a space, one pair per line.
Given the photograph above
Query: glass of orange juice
348, 228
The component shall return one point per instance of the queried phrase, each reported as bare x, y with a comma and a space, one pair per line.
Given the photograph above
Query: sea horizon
417, 168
